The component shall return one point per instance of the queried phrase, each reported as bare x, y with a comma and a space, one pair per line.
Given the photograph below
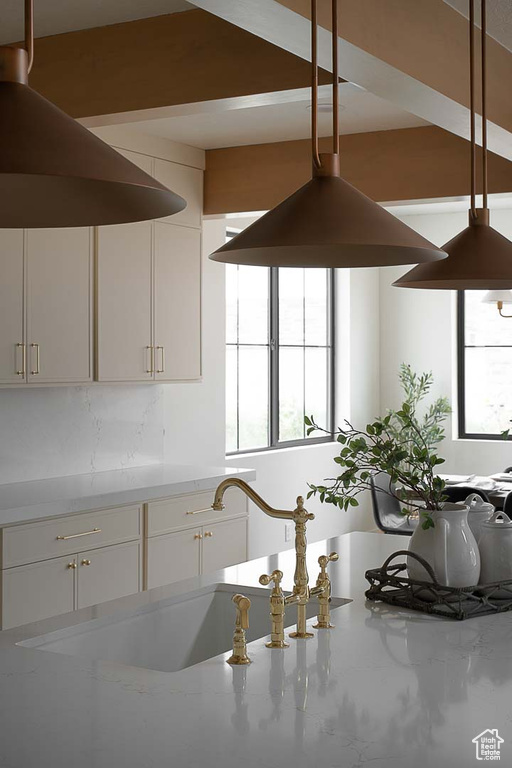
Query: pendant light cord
472, 104
29, 31
483, 25
335, 81
314, 86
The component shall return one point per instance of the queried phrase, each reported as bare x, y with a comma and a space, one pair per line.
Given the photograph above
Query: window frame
461, 378
273, 378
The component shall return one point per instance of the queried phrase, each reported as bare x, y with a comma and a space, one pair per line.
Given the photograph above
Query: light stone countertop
383, 689
38, 499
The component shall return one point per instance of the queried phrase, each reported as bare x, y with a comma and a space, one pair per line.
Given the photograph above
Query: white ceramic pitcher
495, 546
450, 548
479, 512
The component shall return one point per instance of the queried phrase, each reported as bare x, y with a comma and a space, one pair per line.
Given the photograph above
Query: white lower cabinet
105, 574
224, 544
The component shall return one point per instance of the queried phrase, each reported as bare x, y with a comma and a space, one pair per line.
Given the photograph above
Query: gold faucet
277, 603
239, 655
323, 591
300, 516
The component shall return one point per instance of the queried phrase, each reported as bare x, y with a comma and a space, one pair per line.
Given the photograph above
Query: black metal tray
389, 585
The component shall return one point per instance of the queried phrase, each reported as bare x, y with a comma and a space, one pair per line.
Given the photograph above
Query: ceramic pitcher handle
443, 561
473, 498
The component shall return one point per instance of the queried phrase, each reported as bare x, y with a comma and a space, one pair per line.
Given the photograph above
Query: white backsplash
54, 431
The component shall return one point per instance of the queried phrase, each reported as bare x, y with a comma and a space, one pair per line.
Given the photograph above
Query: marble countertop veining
37, 499
383, 689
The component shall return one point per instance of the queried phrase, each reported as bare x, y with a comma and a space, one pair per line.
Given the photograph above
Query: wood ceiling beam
388, 166
413, 53
159, 62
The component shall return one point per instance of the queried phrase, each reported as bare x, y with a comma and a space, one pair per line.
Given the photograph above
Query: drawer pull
198, 535
77, 535
71, 566
86, 562
208, 534
199, 511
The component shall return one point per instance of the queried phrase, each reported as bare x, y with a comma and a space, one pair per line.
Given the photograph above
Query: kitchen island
383, 688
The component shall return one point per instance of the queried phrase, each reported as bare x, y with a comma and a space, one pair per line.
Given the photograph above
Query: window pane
253, 378
231, 303
253, 305
316, 375
231, 399
488, 390
291, 306
316, 306
291, 393
484, 326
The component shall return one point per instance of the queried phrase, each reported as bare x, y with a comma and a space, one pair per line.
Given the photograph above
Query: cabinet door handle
208, 534
23, 347
198, 511
151, 368
86, 562
198, 535
38, 360
71, 566
78, 535
162, 369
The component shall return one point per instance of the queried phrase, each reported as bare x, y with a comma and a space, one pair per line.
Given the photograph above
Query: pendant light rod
335, 81
483, 26
472, 104
29, 32
314, 85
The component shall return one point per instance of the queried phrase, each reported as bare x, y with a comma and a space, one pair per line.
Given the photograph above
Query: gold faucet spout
236, 482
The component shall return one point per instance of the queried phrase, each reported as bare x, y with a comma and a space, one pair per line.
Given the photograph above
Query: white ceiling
499, 18
53, 17
284, 121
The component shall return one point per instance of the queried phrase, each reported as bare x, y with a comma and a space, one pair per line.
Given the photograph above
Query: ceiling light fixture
56, 173
327, 222
499, 298
479, 258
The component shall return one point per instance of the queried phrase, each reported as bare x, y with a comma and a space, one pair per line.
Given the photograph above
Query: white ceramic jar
479, 511
450, 548
495, 546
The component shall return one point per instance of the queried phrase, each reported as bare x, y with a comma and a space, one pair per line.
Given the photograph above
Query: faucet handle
324, 560
275, 577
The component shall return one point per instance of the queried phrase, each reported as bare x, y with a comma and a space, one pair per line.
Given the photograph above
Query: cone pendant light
327, 222
479, 258
53, 171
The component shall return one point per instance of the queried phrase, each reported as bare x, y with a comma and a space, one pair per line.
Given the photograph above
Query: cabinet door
187, 182
59, 304
224, 544
177, 302
124, 302
37, 591
105, 574
11, 306
172, 558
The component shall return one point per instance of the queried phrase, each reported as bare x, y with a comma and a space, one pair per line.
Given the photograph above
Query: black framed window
279, 355
484, 368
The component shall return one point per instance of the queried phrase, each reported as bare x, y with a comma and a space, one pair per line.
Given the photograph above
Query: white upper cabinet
12, 350
177, 267
187, 182
59, 305
124, 302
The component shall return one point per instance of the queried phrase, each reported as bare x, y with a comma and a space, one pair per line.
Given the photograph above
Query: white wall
419, 327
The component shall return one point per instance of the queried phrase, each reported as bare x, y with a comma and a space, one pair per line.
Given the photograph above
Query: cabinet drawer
193, 509
38, 591
173, 558
224, 544
40, 541
105, 574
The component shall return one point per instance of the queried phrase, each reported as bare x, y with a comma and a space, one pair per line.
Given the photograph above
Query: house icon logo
488, 745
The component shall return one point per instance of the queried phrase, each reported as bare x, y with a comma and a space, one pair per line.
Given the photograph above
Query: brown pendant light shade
54, 172
479, 258
327, 222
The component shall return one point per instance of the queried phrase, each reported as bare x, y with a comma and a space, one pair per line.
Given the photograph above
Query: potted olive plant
443, 536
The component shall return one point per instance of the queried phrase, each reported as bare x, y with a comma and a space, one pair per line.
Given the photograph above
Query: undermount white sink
171, 634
